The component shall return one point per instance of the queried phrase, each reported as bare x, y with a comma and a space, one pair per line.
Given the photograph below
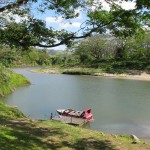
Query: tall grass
82, 71
10, 80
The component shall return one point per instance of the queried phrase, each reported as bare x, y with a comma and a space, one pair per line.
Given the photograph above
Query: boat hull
86, 114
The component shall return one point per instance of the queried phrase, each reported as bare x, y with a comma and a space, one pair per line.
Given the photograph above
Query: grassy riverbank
122, 74
10, 80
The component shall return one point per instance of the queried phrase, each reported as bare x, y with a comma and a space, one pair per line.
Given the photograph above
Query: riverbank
128, 74
9, 80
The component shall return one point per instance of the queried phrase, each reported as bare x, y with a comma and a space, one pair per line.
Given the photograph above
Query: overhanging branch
67, 39
13, 5
75, 37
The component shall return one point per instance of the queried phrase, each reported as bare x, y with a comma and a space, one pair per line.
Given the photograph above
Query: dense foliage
100, 51
14, 57
32, 31
115, 53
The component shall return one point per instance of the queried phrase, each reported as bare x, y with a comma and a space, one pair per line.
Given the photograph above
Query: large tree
34, 32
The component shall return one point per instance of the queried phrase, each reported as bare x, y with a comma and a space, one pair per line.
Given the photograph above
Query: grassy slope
20, 133
15, 81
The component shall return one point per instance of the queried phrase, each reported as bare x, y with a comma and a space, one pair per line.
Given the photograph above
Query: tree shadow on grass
94, 144
26, 135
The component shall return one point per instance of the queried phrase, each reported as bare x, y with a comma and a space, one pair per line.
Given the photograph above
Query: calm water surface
119, 106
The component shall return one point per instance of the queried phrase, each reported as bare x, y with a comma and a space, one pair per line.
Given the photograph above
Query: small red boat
85, 114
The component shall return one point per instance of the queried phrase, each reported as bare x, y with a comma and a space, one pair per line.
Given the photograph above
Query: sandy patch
142, 76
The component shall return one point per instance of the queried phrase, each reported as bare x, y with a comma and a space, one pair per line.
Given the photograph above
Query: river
119, 106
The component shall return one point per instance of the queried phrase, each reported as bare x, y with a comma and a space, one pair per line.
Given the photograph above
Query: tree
34, 32
139, 48
44, 58
7, 55
33, 56
96, 47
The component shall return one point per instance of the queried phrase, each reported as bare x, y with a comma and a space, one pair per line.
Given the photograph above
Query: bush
109, 69
148, 69
5, 75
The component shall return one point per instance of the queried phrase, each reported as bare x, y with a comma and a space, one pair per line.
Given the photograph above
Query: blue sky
58, 23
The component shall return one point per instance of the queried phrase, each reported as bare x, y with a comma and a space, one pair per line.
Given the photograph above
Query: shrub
5, 75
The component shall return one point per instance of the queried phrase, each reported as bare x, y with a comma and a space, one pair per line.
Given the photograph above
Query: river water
119, 106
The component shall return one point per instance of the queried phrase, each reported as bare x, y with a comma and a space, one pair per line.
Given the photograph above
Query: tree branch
76, 37
67, 39
16, 4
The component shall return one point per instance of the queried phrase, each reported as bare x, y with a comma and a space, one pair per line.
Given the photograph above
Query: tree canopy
32, 31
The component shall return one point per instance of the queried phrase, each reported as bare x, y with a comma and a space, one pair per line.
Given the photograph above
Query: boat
85, 114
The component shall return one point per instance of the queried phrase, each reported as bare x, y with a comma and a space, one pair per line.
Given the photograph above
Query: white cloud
61, 22
146, 27
53, 19
106, 6
70, 25
128, 5
13, 17
19, 19
61, 47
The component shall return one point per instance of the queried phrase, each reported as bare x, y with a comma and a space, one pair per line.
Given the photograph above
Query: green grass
82, 71
73, 70
8, 112
12, 80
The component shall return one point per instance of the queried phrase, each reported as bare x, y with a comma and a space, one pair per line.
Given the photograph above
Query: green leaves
141, 4
34, 32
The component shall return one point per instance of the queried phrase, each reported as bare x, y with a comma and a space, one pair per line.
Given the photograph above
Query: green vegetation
32, 31
82, 71
114, 54
10, 80
9, 113
13, 57
103, 53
